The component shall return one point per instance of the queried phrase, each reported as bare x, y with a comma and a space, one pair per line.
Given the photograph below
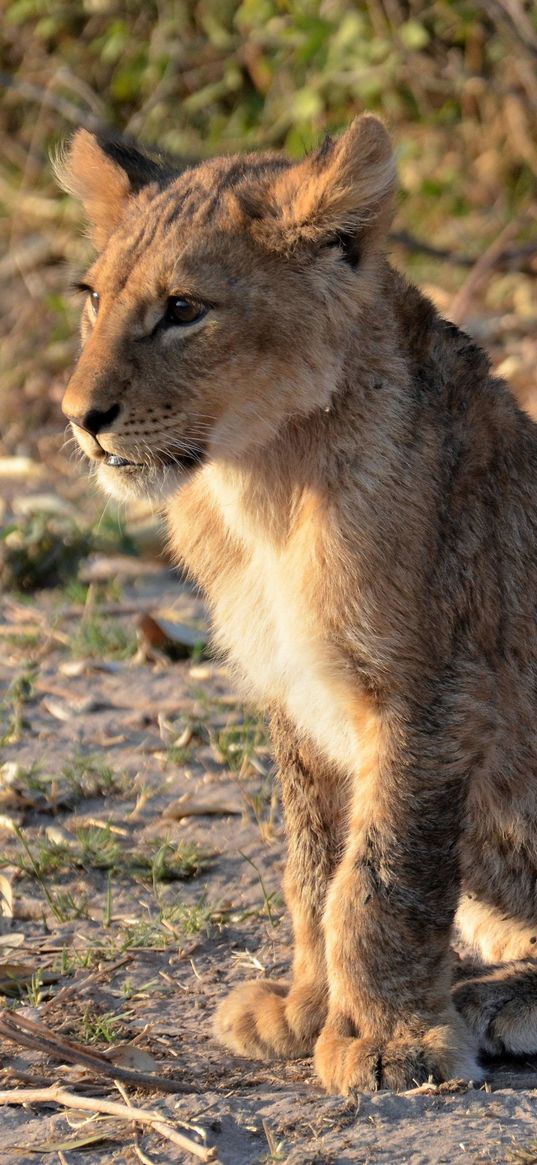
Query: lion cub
358, 498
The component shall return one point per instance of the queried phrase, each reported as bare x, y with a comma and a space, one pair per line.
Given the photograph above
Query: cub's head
223, 300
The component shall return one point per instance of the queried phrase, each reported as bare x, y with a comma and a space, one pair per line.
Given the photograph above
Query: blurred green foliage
455, 79
41, 550
201, 75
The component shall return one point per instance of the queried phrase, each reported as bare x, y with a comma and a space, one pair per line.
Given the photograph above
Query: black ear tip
110, 141
139, 166
116, 146
322, 154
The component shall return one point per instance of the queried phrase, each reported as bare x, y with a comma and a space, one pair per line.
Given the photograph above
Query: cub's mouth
115, 462
189, 459
188, 456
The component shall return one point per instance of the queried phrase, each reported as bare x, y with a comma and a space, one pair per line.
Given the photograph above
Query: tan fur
356, 495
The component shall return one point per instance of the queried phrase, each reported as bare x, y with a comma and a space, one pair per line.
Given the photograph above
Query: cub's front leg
267, 1018
388, 919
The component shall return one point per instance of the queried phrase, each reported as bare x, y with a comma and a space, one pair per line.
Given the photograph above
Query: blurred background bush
456, 81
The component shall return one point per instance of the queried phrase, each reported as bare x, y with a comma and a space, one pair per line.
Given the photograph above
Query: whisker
105, 508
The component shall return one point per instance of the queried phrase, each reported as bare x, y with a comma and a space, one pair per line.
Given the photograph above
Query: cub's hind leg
267, 1018
499, 1006
496, 932
497, 919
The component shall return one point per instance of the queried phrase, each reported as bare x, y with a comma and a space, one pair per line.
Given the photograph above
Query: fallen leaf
101, 567
10, 773
177, 640
20, 467
130, 1056
32, 1013
62, 711
81, 667
42, 503
185, 737
72, 1143
186, 807
60, 836
7, 822
59, 711
84, 821
6, 897
14, 977
204, 671
74, 667
11, 941
167, 729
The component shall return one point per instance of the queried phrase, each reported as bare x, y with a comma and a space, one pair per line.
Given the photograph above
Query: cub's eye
93, 298
181, 311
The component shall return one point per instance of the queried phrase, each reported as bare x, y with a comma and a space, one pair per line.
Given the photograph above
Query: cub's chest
268, 621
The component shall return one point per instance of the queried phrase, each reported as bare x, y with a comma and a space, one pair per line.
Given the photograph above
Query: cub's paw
353, 1064
499, 1006
264, 1020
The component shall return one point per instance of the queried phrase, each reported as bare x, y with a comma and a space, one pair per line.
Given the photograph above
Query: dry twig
522, 258
460, 304
37, 1037
58, 1095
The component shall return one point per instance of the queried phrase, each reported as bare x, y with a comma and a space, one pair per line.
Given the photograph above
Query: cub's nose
95, 420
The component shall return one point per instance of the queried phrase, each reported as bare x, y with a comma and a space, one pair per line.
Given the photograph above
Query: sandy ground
154, 957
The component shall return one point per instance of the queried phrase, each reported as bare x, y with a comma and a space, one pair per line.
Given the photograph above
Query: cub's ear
103, 172
341, 194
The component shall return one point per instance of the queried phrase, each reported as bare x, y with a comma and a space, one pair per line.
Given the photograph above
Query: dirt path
142, 879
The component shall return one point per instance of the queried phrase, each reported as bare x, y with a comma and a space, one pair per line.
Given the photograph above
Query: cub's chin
152, 483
